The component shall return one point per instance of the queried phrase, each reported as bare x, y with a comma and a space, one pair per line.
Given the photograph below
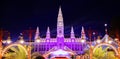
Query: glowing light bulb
98, 41
37, 40
22, 41
9, 41
82, 40
4, 41
105, 24
109, 41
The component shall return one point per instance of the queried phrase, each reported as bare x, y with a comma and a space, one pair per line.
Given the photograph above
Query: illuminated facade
42, 45
63, 47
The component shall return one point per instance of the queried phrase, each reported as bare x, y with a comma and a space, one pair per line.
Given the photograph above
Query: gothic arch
11, 45
101, 44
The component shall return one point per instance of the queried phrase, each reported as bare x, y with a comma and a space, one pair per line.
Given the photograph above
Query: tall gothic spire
83, 33
48, 33
60, 24
60, 17
37, 33
72, 33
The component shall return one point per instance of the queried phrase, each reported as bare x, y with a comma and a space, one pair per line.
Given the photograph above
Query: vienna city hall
61, 47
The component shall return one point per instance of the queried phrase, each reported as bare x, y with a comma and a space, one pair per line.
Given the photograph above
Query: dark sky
18, 15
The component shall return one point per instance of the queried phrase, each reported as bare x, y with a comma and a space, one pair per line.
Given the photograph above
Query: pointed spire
60, 17
37, 33
83, 33
72, 32
48, 33
60, 24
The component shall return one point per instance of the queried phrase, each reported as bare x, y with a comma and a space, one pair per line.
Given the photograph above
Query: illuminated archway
115, 49
11, 45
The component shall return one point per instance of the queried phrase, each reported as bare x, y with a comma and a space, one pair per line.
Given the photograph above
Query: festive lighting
4, 41
116, 39
37, 40
105, 25
9, 41
21, 41
98, 41
110, 41
82, 40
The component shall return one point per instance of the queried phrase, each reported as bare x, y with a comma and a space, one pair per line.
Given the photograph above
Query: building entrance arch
106, 44
13, 45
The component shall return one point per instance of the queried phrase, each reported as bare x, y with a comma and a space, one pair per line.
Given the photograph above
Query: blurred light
110, 41
37, 40
82, 40
116, 39
105, 24
98, 41
93, 33
4, 41
9, 41
22, 41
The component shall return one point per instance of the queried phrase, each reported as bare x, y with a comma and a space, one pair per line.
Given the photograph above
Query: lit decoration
105, 25
110, 41
21, 41
4, 41
21, 38
98, 40
83, 41
116, 39
8, 40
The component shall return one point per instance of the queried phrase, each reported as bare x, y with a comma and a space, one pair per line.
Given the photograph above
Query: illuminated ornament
110, 41
83, 40
8, 40
105, 24
98, 40
4, 41
21, 41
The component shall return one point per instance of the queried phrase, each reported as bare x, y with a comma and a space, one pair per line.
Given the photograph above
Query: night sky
19, 15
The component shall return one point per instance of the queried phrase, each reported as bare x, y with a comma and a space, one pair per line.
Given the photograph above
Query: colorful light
21, 41
9, 41
98, 41
37, 40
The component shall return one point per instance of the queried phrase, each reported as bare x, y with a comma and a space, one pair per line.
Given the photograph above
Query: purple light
60, 52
